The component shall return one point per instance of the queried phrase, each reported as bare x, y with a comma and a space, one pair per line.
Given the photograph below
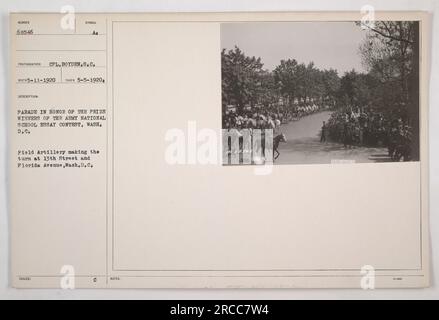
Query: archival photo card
142, 150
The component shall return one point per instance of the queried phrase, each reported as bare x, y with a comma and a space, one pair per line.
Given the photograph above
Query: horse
276, 140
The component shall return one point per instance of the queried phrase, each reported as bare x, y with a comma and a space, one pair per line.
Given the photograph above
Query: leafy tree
331, 81
391, 53
285, 76
241, 78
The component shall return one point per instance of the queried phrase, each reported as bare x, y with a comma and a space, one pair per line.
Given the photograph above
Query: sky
329, 44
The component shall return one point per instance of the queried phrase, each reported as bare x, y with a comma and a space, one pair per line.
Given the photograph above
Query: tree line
246, 82
390, 54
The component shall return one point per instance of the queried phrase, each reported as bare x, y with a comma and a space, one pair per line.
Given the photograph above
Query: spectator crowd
368, 127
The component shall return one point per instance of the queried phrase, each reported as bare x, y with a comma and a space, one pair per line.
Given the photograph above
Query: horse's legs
278, 154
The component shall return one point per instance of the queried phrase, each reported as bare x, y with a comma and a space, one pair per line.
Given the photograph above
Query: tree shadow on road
312, 149
310, 145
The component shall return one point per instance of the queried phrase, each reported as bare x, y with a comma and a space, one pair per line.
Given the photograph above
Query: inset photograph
320, 92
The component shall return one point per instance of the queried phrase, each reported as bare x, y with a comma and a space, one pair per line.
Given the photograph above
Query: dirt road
303, 145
